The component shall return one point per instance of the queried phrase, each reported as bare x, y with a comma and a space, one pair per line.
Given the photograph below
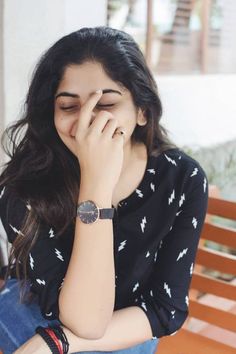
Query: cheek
62, 125
127, 118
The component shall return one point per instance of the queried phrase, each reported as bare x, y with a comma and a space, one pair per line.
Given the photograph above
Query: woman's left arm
128, 327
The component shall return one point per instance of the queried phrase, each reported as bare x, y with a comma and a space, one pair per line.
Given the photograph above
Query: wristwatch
89, 212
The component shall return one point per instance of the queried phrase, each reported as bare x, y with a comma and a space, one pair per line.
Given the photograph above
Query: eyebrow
74, 95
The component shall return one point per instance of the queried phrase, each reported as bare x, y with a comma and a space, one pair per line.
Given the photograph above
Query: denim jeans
18, 322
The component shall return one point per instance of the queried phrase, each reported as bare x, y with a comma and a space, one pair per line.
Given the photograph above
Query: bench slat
186, 342
206, 284
222, 235
212, 315
216, 260
221, 207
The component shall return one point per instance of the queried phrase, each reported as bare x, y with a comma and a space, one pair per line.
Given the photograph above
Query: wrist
98, 194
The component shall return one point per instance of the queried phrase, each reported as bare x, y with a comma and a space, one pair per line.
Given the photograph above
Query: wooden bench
212, 300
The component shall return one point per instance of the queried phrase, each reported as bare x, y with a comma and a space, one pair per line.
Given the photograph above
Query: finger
101, 119
119, 134
86, 110
110, 127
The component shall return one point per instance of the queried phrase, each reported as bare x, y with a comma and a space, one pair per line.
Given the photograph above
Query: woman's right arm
91, 265
84, 282
87, 297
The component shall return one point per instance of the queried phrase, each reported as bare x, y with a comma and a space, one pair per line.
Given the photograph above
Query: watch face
88, 211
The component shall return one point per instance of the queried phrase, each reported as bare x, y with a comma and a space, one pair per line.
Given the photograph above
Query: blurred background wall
189, 46
28, 28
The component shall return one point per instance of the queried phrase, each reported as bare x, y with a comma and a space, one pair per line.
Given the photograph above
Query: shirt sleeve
46, 263
165, 299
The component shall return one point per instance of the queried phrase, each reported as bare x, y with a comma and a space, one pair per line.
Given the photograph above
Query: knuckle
79, 137
90, 137
112, 120
105, 114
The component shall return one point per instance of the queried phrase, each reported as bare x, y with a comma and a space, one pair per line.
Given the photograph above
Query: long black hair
37, 154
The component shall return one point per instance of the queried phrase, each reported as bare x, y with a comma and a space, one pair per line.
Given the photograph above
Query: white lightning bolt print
171, 228
51, 233
160, 244
172, 334
31, 261
28, 206
122, 245
204, 184
152, 186
151, 293
144, 306
191, 269
173, 314
147, 254
59, 255
178, 212
48, 314
172, 197
182, 253
135, 287
139, 193
182, 198
143, 223
2, 192
61, 284
151, 170
167, 289
6, 290
155, 256
16, 231
186, 300
194, 222
170, 160
195, 171
41, 282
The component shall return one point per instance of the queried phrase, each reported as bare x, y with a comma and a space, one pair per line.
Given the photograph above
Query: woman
103, 211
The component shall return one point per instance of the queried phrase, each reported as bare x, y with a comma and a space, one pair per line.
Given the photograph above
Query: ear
141, 119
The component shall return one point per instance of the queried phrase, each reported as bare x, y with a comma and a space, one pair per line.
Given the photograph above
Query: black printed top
156, 231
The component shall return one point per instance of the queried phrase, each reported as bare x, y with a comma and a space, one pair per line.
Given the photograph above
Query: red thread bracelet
54, 337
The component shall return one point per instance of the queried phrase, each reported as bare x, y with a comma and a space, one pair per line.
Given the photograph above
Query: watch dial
88, 212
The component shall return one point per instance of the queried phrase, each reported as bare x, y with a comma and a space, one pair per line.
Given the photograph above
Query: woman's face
78, 82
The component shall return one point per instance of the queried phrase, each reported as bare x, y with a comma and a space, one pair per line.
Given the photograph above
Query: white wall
199, 110
30, 27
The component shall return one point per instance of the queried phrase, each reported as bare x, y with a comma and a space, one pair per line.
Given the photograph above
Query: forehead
88, 75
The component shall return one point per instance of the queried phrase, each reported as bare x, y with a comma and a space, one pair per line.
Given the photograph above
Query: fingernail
98, 91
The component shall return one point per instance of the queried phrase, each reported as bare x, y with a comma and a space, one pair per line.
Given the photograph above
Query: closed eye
106, 105
98, 105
